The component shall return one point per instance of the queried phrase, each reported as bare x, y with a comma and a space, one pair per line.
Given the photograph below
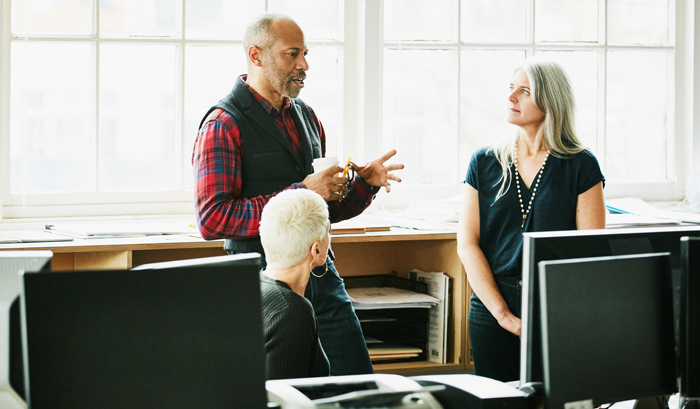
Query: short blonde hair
290, 223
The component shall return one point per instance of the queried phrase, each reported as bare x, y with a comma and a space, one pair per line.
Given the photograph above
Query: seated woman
295, 234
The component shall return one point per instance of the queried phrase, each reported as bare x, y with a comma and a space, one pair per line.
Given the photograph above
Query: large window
101, 99
106, 96
446, 85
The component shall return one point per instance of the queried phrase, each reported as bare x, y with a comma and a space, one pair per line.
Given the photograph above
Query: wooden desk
357, 254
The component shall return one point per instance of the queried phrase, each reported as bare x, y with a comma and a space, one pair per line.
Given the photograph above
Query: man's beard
281, 81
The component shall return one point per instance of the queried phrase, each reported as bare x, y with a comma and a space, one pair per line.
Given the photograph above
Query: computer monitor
690, 320
563, 245
607, 330
233, 260
11, 367
179, 337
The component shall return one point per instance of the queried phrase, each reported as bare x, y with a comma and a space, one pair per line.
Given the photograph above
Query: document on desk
30, 236
438, 287
120, 229
372, 298
637, 206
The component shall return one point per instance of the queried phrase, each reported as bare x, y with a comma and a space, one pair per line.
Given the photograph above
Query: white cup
321, 164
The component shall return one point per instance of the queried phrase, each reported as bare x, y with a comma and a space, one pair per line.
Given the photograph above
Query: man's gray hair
290, 223
259, 32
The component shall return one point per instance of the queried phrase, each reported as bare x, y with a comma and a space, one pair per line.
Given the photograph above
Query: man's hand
327, 183
376, 174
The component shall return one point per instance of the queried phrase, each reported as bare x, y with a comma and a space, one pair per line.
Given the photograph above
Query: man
259, 141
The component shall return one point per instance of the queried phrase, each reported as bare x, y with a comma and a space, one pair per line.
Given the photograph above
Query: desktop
11, 367
607, 330
562, 245
173, 337
690, 323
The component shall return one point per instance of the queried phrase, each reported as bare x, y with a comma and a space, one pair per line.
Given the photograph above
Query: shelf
407, 368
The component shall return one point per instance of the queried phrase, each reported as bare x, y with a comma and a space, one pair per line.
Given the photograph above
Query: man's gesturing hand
376, 174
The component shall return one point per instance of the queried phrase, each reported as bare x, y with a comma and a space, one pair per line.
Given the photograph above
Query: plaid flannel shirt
217, 160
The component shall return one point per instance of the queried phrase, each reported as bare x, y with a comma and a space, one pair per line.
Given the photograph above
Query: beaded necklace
517, 183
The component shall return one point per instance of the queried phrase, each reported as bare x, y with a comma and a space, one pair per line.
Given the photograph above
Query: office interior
82, 81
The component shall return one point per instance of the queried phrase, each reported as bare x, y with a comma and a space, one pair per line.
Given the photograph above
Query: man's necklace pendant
524, 218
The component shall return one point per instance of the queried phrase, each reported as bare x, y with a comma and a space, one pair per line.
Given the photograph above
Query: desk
357, 254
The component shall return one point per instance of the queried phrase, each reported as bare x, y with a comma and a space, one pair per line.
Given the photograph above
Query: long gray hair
551, 92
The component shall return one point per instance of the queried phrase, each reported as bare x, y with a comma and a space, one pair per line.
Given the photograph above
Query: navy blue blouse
554, 207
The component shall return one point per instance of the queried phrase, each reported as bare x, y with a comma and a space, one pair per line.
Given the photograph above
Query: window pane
138, 18
51, 117
317, 18
137, 118
479, 24
417, 20
51, 17
419, 128
205, 85
637, 116
323, 92
483, 100
638, 22
582, 68
572, 20
219, 19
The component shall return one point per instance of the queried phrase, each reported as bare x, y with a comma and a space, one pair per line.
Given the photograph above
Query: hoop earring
324, 273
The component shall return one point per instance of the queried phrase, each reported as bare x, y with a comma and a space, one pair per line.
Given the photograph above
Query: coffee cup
321, 164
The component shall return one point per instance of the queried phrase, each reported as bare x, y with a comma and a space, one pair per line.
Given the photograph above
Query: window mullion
601, 140
456, 90
180, 148
95, 163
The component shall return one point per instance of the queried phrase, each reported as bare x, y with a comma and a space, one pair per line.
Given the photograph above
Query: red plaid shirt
217, 160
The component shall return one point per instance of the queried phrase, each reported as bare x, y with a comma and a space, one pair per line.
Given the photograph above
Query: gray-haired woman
540, 179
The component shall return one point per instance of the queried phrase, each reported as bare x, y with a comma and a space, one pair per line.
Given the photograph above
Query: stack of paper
385, 352
120, 229
439, 287
30, 236
372, 298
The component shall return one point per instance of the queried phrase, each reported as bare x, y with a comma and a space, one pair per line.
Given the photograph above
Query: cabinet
356, 254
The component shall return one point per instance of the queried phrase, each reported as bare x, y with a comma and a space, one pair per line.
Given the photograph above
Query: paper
370, 298
121, 229
30, 236
639, 207
439, 287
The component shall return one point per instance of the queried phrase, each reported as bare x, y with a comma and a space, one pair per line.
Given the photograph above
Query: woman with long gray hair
540, 179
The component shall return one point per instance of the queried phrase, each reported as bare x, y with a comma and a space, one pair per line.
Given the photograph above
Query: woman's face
522, 110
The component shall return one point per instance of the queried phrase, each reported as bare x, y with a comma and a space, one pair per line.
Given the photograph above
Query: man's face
284, 64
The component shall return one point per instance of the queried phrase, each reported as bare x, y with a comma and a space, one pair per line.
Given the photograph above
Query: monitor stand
689, 403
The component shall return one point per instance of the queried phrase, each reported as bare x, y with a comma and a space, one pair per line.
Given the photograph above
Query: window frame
683, 20
361, 48
115, 204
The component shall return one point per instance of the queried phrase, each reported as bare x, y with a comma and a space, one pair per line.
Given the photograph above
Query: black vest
270, 163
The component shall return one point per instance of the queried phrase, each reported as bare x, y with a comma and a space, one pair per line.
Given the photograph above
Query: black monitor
233, 260
563, 245
179, 337
607, 329
690, 320
12, 263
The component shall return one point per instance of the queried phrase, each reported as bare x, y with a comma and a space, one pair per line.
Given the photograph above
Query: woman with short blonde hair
295, 234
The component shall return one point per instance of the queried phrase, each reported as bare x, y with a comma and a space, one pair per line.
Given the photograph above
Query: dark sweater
292, 347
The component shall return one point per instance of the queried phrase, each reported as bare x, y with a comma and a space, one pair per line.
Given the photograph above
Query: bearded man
261, 140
